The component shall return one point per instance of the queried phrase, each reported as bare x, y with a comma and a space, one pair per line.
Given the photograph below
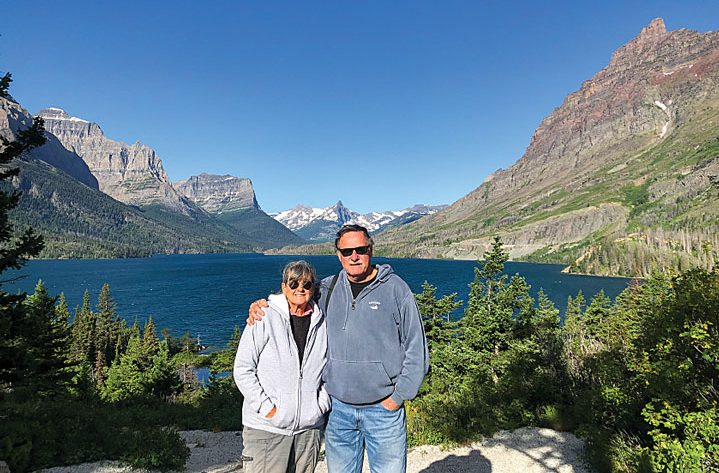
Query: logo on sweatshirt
374, 305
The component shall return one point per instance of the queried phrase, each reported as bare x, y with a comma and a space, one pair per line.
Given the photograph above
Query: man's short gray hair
353, 228
298, 270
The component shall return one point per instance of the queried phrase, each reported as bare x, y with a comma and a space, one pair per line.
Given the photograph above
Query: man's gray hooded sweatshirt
377, 346
268, 372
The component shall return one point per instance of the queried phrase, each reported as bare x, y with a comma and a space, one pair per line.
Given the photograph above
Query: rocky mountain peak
132, 174
653, 31
14, 118
658, 93
58, 121
646, 47
54, 113
341, 213
321, 224
218, 194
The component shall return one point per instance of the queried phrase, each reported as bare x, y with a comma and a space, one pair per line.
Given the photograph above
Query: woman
278, 368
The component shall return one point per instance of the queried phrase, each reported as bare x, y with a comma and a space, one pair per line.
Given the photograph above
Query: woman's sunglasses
361, 250
295, 284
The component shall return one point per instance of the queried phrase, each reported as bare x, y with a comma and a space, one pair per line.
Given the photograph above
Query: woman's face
298, 292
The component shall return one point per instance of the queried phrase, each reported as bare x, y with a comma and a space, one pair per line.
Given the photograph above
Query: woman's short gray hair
298, 270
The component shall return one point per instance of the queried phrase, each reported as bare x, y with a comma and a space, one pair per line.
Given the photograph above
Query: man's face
357, 266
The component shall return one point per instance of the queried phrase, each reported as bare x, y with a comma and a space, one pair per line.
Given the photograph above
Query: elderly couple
356, 350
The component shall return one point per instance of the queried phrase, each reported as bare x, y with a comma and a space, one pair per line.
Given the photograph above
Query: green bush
153, 448
66, 431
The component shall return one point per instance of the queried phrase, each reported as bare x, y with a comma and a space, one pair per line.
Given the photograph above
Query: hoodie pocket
285, 415
310, 412
358, 382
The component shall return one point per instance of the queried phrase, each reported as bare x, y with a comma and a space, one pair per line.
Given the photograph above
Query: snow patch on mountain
320, 224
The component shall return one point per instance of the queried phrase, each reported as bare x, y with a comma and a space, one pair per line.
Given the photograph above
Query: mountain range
91, 196
620, 179
321, 224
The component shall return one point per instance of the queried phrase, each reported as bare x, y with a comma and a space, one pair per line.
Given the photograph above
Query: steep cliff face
232, 200
218, 194
14, 117
132, 174
646, 118
60, 199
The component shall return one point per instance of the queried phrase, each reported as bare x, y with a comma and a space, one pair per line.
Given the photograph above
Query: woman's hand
272, 412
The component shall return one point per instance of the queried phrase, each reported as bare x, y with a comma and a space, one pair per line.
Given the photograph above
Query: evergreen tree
14, 252
535, 373
437, 315
107, 328
162, 380
82, 348
144, 370
124, 378
150, 342
596, 313
494, 299
5, 85
62, 314
479, 379
575, 307
47, 349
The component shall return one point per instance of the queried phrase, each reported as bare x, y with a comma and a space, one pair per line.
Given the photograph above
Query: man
377, 358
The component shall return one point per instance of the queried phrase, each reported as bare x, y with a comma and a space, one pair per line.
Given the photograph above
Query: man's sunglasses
295, 284
361, 250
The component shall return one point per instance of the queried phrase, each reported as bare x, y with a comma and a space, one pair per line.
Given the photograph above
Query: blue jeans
350, 428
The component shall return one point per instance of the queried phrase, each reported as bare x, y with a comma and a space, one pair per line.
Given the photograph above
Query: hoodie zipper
353, 306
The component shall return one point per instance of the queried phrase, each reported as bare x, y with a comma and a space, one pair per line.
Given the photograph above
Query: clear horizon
381, 106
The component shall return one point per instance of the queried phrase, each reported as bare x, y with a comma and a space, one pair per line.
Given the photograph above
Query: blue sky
382, 104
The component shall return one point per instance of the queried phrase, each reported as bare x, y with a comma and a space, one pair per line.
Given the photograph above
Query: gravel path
526, 450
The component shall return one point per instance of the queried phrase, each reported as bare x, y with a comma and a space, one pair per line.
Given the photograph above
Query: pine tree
62, 314
597, 312
144, 370
5, 85
437, 315
150, 342
14, 252
124, 378
493, 299
575, 307
82, 347
47, 349
107, 327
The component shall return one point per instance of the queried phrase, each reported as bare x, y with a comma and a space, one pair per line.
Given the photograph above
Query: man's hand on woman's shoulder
255, 313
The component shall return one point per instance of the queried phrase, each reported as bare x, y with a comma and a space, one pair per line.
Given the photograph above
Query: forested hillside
77, 221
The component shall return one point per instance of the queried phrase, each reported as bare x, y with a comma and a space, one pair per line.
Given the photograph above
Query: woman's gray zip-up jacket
268, 372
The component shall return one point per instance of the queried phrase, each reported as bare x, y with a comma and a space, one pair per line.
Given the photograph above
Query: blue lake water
209, 294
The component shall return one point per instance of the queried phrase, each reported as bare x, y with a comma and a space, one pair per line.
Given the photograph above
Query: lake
209, 294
